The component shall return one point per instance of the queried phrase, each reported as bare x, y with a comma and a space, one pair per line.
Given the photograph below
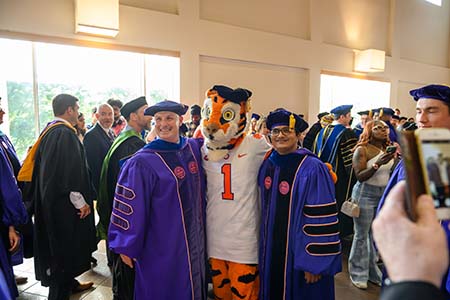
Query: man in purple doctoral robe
300, 249
12, 213
157, 222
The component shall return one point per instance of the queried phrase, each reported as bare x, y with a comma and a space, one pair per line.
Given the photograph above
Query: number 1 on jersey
226, 171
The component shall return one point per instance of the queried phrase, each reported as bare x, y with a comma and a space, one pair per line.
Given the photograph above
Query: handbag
350, 207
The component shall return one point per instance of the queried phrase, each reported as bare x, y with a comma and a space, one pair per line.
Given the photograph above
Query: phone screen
436, 163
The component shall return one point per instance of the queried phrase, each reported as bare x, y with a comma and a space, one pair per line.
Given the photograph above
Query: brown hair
62, 102
366, 135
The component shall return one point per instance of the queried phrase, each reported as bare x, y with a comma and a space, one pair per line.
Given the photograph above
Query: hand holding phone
391, 149
385, 158
427, 166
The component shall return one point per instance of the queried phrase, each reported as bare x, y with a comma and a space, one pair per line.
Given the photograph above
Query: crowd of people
252, 206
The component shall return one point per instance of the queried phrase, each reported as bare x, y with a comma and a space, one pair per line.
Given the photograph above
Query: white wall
287, 41
272, 86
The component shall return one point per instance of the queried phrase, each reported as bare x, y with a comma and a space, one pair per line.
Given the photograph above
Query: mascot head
224, 119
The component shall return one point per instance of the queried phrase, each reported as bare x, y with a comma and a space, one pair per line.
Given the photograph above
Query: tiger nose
212, 128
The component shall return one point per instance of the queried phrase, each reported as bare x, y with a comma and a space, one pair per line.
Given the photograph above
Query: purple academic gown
12, 213
10, 153
399, 174
311, 232
8, 147
158, 219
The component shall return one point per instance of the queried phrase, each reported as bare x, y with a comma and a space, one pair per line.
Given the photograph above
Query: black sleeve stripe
122, 207
323, 249
119, 221
326, 229
125, 192
319, 211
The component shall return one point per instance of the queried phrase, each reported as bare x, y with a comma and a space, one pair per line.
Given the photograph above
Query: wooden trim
84, 43
355, 75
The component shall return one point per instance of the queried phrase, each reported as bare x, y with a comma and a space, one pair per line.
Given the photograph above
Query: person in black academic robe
127, 143
97, 142
308, 141
64, 225
334, 144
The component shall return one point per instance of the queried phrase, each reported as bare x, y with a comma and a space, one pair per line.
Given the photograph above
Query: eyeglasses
277, 131
380, 127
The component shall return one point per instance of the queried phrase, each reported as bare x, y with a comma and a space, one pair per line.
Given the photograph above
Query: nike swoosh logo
242, 155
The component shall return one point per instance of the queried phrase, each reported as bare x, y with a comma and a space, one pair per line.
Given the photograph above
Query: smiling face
167, 126
105, 115
284, 140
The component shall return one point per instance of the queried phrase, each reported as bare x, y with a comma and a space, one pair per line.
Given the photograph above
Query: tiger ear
248, 105
211, 93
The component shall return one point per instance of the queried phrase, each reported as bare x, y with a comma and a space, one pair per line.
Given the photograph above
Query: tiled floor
101, 277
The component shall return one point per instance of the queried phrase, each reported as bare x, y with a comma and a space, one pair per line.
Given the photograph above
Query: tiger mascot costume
231, 160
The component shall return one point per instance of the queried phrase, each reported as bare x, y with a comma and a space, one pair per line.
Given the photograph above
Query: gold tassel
381, 112
291, 122
370, 113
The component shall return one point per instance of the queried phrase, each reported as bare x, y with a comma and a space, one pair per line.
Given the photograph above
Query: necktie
111, 135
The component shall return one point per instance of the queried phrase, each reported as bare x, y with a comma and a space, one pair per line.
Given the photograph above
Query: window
363, 94
92, 75
435, 2
16, 90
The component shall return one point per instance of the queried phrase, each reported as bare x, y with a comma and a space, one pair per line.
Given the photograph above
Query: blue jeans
363, 257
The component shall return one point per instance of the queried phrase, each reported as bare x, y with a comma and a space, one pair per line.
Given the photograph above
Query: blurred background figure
302, 129
253, 121
310, 136
194, 122
395, 121
81, 127
93, 118
385, 114
119, 121
365, 116
261, 126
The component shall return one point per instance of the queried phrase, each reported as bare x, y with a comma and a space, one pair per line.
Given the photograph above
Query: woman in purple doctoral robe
158, 220
299, 228
12, 213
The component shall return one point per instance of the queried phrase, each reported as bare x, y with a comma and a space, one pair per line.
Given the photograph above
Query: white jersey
233, 202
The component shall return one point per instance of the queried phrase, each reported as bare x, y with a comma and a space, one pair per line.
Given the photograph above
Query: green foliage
21, 107
48, 91
21, 115
157, 96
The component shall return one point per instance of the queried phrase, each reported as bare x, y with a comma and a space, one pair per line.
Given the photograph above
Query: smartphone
427, 166
391, 149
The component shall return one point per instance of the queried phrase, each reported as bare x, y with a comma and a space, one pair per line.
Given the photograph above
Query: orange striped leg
220, 279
